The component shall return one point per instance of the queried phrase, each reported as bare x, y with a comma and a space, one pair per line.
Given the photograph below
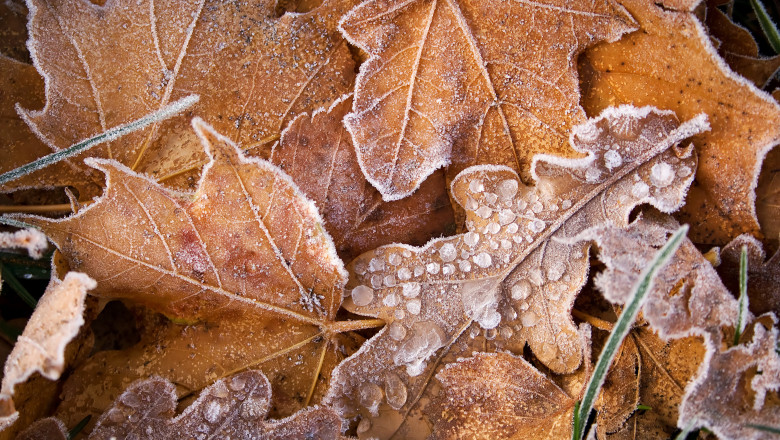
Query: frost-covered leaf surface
498, 395
463, 83
246, 255
318, 152
512, 276
763, 274
109, 65
671, 64
41, 348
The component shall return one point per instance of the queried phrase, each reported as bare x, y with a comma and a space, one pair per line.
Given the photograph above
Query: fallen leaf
246, 253
768, 198
458, 84
13, 30
498, 395
763, 274
671, 64
49, 428
317, 150
109, 65
41, 348
512, 275
729, 395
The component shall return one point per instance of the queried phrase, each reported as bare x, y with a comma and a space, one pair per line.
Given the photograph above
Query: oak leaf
246, 253
41, 348
512, 275
671, 64
317, 150
233, 407
498, 395
109, 65
458, 83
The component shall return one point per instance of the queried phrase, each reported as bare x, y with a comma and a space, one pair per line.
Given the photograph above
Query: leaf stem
621, 329
35, 209
107, 136
351, 326
743, 298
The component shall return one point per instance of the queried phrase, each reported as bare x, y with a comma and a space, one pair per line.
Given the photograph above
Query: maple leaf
511, 274
498, 395
671, 64
233, 407
726, 397
318, 151
41, 348
455, 83
109, 65
246, 254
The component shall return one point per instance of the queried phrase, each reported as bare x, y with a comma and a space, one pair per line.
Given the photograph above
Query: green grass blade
767, 25
770, 429
8, 221
743, 298
621, 329
17, 287
687, 430
164, 113
79, 427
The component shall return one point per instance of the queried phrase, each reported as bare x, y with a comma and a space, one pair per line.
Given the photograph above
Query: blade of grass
687, 430
164, 113
743, 298
621, 329
17, 287
15, 223
770, 429
767, 25
79, 427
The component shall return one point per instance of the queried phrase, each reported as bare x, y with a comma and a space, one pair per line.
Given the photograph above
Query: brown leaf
108, 65
318, 152
41, 348
233, 407
246, 253
671, 64
512, 274
500, 396
763, 274
729, 395
462, 83
768, 198
13, 30
49, 428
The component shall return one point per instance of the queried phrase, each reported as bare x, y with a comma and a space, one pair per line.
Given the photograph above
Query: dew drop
529, 319
521, 204
395, 391
512, 229
555, 271
399, 314
476, 186
537, 207
376, 265
473, 332
640, 190
220, 391
404, 274
684, 171
490, 334
484, 212
506, 332
397, 331
536, 226
506, 216
376, 281
566, 204
471, 238
418, 270
471, 204
493, 228
253, 409
362, 295
662, 175
361, 268
130, 399
363, 426
413, 306
423, 340
411, 290
391, 300
212, 411
432, 268
448, 269
370, 396
535, 275
506, 244
507, 189
116, 416
394, 259
480, 301
521, 290
406, 253
483, 260
491, 198
612, 159
389, 281
237, 383
593, 175
464, 266
447, 252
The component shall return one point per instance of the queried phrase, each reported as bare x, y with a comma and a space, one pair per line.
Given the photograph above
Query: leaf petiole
743, 298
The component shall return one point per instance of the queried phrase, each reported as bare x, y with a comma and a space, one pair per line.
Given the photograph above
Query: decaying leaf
31, 240
768, 198
318, 152
49, 428
109, 65
687, 299
41, 348
671, 64
512, 274
13, 30
458, 83
763, 275
246, 253
500, 396
729, 395
233, 407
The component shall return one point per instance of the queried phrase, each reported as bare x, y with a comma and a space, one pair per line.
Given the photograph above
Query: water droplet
506, 216
447, 252
612, 159
130, 399
424, 339
411, 290
521, 290
662, 175
490, 334
566, 204
529, 319
537, 207
376, 281
471, 238
391, 300
237, 383
364, 426
483, 260
506, 244
464, 266
555, 271
493, 228
507, 189
389, 281
362, 295
220, 390
370, 396
490, 198
399, 314
640, 190
521, 204
413, 306
448, 269
535, 275
253, 408
394, 259
212, 411
395, 390
471, 204
116, 416
476, 186
404, 274
507, 332
593, 175
473, 332
484, 212
376, 265
480, 301
418, 270
397, 331
684, 171
432, 268
361, 268
512, 229
536, 226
